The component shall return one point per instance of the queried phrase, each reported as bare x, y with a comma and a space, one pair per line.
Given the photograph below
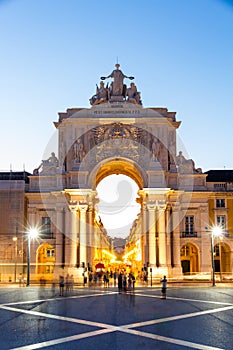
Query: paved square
197, 318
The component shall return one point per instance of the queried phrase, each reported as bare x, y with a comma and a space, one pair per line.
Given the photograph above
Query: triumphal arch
116, 135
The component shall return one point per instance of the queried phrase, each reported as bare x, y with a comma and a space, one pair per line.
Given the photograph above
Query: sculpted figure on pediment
49, 166
101, 96
132, 95
155, 148
79, 152
117, 91
117, 86
185, 165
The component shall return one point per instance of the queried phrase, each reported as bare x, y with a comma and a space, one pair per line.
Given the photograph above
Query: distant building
13, 216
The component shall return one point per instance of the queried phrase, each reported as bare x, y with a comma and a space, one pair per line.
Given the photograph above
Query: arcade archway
45, 262
189, 259
222, 259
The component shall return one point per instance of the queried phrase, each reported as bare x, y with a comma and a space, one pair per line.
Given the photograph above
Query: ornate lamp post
32, 234
15, 255
215, 232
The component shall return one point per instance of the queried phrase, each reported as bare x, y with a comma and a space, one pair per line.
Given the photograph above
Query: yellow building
180, 204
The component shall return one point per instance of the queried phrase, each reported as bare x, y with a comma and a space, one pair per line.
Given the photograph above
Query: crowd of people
66, 284
125, 282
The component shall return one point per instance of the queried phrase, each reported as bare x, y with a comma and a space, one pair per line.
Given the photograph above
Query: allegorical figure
53, 160
101, 96
117, 84
79, 152
48, 165
155, 148
132, 94
185, 165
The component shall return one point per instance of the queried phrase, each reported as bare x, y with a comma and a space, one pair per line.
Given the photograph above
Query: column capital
151, 205
82, 206
162, 208
73, 206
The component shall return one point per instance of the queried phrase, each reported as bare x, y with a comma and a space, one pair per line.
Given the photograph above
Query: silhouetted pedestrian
164, 287
61, 285
120, 283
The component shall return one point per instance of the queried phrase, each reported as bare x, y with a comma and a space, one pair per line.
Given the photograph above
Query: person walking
61, 285
115, 278
120, 283
164, 287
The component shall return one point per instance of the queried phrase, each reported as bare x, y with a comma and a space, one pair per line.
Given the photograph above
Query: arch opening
117, 205
189, 259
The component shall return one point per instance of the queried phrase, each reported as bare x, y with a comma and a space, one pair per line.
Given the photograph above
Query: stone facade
179, 205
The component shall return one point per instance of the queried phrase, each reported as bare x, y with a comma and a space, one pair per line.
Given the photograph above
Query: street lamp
215, 232
32, 233
15, 255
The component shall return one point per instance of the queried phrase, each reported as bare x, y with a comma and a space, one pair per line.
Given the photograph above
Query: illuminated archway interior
117, 205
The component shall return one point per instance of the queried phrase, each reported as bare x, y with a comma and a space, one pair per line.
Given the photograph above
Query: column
90, 238
176, 241
59, 237
73, 252
83, 233
162, 237
151, 234
168, 236
144, 233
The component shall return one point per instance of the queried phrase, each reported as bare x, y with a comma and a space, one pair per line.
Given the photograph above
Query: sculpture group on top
117, 91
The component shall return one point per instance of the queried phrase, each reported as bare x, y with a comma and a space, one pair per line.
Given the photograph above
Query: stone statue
79, 152
49, 166
155, 148
117, 84
52, 161
101, 96
185, 165
133, 95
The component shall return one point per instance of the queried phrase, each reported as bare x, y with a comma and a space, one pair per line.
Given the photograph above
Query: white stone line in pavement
109, 328
125, 329
63, 340
178, 317
60, 318
170, 340
184, 299
58, 298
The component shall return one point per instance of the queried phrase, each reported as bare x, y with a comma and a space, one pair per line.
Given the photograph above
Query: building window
220, 187
189, 224
185, 251
221, 221
46, 227
220, 203
50, 253
49, 269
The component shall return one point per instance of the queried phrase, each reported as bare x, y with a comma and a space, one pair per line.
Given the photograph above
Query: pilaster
151, 206
162, 236
83, 233
74, 242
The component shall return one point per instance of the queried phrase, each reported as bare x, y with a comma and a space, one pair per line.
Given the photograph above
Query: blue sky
54, 52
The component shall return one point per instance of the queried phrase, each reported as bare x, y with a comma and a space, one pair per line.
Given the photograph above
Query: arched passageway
45, 262
222, 261
190, 259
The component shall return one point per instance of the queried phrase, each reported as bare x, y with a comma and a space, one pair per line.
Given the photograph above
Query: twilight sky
54, 52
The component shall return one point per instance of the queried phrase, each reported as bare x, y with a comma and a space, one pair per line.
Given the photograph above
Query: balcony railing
189, 234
